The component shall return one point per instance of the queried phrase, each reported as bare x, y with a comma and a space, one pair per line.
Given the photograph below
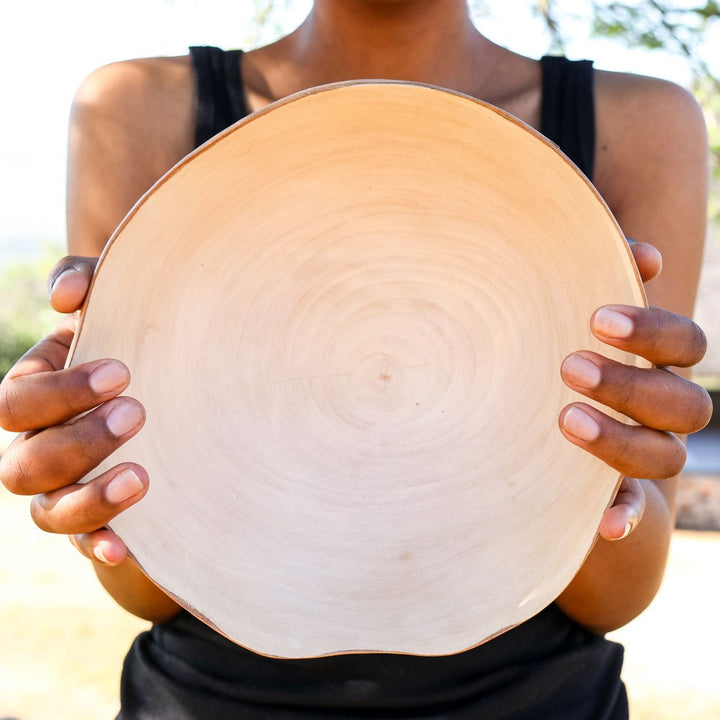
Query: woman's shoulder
136, 79
144, 100
640, 98
645, 126
131, 121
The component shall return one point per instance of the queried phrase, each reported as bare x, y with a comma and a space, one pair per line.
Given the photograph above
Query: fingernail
108, 377
581, 372
578, 423
612, 323
99, 555
124, 418
123, 486
626, 531
64, 274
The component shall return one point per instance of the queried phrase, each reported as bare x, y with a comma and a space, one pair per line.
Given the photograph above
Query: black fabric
568, 109
548, 668
220, 97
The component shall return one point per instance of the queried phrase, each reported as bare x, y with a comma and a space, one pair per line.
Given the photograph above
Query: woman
644, 146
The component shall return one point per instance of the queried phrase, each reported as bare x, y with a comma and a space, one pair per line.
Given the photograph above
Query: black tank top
548, 668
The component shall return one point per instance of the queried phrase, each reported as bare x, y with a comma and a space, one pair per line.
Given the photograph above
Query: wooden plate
345, 317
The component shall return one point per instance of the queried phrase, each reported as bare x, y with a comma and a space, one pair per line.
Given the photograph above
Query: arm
652, 171
130, 122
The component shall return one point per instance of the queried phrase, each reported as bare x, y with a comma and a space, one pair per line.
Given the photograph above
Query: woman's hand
70, 420
660, 401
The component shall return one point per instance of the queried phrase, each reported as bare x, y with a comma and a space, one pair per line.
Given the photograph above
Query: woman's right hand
70, 420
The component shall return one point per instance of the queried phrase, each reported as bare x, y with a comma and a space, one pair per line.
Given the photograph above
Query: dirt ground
62, 639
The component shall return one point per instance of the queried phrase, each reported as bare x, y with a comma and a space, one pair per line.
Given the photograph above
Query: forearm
619, 578
651, 169
132, 590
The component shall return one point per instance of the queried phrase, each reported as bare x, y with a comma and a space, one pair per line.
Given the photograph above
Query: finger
647, 258
659, 336
61, 455
636, 451
69, 282
36, 395
101, 545
656, 398
85, 507
47, 355
626, 512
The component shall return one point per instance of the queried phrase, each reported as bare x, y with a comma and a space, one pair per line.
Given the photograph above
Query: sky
49, 47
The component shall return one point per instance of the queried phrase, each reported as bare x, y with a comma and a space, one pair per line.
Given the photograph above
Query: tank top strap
220, 95
568, 108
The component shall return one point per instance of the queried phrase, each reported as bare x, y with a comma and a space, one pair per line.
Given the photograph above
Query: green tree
679, 28
25, 315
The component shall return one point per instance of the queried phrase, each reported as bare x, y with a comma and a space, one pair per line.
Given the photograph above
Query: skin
133, 120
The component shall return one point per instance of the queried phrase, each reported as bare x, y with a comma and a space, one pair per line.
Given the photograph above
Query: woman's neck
431, 41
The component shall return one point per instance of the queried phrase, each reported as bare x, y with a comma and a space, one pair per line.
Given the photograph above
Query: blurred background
61, 640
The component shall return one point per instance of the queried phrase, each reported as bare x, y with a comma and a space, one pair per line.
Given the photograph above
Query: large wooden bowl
345, 317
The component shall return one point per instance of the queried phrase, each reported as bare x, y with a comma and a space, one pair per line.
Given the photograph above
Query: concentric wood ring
346, 318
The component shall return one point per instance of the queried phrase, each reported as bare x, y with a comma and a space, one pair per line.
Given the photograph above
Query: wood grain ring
345, 317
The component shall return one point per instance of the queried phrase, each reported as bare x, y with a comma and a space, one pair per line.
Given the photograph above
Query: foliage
547, 10
25, 315
679, 28
653, 24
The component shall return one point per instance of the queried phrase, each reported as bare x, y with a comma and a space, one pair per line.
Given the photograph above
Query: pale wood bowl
345, 317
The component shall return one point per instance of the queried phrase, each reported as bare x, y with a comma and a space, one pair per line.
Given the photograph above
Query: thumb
69, 282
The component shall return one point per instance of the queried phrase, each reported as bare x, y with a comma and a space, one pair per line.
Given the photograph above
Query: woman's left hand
660, 401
